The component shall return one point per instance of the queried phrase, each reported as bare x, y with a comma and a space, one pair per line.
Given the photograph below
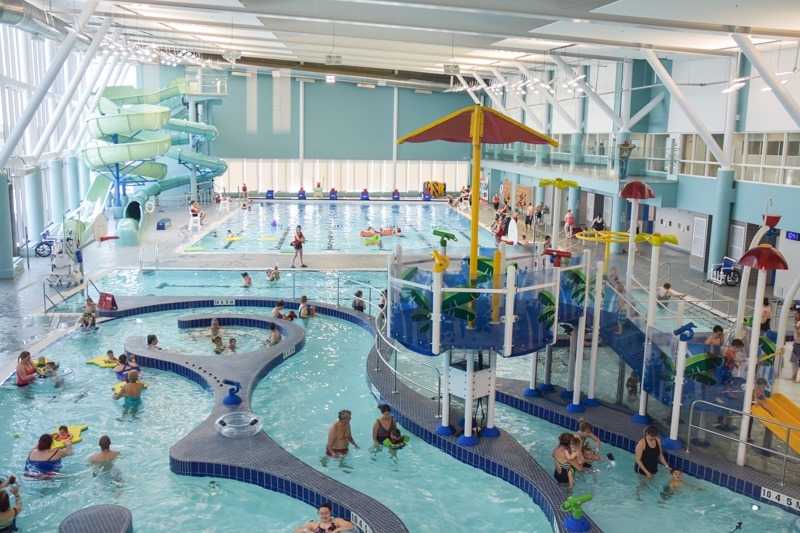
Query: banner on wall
506, 192
485, 187
523, 197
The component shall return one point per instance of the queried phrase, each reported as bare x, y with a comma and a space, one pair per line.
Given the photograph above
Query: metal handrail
90, 282
156, 256
141, 258
46, 298
389, 346
773, 422
658, 278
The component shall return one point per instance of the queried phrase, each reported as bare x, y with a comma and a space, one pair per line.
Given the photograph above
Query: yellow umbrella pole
476, 132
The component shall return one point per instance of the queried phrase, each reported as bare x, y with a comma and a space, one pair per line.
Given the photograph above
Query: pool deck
258, 459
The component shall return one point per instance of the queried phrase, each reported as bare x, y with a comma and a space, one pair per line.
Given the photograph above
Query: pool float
269, 238
396, 445
365, 233
75, 431
232, 238
237, 425
372, 240
101, 361
116, 388
389, 231
194, 249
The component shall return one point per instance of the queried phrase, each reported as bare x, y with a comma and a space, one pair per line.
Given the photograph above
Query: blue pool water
429, 490
334, 227
141, 479
620, 504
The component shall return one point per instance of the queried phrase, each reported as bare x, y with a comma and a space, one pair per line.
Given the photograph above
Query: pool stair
612, 424
502, 456
257, 460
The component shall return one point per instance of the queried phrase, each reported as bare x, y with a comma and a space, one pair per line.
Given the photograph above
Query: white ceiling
420, 36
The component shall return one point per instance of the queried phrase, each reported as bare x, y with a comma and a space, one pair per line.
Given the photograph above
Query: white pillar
490, 430
444, 428
651, 316
680, 369
744, 284
556, 230
590, 400
468, 396
80, 105
508, 327
575, 406
66, 98
436, 313
634, 219
752, 361
44, 85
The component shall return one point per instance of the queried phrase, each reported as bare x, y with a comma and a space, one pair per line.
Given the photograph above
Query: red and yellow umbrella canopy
636, 190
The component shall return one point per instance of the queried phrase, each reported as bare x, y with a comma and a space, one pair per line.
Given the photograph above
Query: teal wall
342, 121
751, 199
696, 194
658, 119
418, 110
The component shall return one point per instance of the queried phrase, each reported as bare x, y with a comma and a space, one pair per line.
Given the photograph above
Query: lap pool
335, 227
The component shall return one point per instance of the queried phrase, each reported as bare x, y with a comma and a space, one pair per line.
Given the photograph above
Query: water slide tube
131, 136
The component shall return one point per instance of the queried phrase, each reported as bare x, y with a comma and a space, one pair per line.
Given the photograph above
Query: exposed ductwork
30, 18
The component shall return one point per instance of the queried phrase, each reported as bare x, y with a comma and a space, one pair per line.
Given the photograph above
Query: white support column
508, 327
436, 313
66, 98
301, 130
752, 362
530, 113
95, 101
468, 439
744, 285
684, 104
625, 97
575, 406
44, 85
631, 248
556, 210
549, 97
531, 391
496, 101
470, 92
590, 400
673, 443
490, 431
730, 117
769, 76
395, 111
444, 428
593, 96
80, 105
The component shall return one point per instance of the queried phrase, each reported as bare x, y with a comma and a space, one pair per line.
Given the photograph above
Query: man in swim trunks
339, 436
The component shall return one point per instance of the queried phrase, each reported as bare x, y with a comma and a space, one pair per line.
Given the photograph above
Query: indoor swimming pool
335, 227
140, 478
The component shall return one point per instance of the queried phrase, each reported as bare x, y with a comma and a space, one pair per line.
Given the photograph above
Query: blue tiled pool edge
256, 460
615, 428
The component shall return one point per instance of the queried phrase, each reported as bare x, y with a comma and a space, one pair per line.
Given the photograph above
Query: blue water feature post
576, 521
34, 203
6, 237
73, 182
56, 170
232, 398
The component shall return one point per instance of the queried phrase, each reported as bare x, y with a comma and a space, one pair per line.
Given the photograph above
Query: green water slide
129, 134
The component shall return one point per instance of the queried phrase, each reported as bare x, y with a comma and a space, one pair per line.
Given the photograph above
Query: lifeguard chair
318, 190
725, 272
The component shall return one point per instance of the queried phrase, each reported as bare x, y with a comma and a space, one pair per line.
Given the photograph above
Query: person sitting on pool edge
275, 334
132, 391
325, 523
152, 342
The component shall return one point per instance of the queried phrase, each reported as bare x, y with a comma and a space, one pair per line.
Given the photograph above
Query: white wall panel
708, 102
596, 120
676, 222
785, 278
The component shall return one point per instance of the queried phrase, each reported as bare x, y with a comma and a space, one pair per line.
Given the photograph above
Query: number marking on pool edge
288, 353
225, 302
359, 523
782, 499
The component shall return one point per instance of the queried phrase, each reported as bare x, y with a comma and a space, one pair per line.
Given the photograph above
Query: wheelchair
725, 272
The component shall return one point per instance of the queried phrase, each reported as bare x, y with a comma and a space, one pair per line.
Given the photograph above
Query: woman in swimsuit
297, 243
26, 370
132, 391
326, 524
124, 367
8, 514
44, 462
383, 426
649, 453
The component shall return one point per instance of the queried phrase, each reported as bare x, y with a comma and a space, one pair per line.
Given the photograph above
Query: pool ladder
155, 258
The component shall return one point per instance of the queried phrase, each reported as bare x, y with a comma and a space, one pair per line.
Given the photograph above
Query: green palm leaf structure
455, 304
706, 377
547, 316
702, 363
423, 316
768, 348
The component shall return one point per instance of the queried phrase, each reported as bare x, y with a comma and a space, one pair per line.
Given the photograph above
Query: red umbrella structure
636, 190
764, 257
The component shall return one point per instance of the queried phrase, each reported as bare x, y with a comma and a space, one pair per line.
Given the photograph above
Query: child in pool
590, 457
214, 234
41, 363
218, 347
110, 356
396, 440
273, 274
63, 433
230, 233
232, 345
675, 483
633, 383
52, 372
247, 281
